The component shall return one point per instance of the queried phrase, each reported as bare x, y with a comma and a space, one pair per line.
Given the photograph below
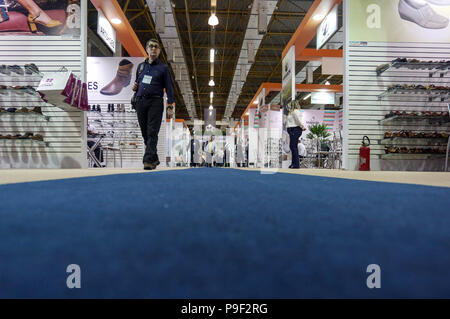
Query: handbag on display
76, 100
69, 86
69, 100
84, 102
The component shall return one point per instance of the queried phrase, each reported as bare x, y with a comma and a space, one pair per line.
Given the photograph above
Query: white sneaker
439, 2
421, 14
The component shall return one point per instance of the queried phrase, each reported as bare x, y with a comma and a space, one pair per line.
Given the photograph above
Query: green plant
318, 131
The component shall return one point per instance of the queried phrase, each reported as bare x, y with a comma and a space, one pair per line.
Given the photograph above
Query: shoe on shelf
16, 69
421, 14
4, 70
37, 137
37, 109
31, 68
23, 110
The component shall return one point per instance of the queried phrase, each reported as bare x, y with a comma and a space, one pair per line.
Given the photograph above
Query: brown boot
122, 79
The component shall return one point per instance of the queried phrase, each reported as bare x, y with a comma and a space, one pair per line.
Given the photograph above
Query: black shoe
148, 166
155, 164
16, 69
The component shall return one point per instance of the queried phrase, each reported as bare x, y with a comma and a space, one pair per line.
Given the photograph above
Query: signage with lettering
327, 28
105, 31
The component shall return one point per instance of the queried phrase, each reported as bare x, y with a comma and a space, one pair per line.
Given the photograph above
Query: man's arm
136, 85
168, 86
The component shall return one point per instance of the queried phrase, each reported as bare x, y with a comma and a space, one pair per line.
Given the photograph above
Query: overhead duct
250, 52
243, 73
160, 19
170, 52
262, 17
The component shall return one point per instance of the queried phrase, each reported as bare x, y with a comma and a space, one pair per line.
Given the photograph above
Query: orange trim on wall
124, 31
313, 54
307, 29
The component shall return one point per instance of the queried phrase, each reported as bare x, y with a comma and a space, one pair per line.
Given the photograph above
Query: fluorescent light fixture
211, 83
213, 21
318, 17
211, 55
116, 21
211, 107
307, 97
211, 95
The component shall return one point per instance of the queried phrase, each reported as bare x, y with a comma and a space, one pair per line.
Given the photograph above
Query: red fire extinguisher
364, 155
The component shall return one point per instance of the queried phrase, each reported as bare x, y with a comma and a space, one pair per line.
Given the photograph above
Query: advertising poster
288, 78
400, 20
40, 17
111, 79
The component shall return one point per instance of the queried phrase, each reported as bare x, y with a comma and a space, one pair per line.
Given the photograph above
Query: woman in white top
295, 128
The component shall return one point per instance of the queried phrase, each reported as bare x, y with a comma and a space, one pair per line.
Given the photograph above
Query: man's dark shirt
161, 80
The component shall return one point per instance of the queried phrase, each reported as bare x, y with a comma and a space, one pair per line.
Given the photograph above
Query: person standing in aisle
152, 77
295, 129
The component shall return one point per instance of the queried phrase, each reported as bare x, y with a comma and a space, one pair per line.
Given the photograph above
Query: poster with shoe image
399, 20
111, 79
40, 17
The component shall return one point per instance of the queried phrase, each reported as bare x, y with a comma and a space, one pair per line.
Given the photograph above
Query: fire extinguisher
364, 155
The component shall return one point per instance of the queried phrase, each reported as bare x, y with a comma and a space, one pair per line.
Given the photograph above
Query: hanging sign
106, 31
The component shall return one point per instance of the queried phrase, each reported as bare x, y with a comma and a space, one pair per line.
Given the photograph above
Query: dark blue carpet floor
216, 233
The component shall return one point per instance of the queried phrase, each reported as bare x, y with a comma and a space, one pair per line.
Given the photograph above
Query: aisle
222, 233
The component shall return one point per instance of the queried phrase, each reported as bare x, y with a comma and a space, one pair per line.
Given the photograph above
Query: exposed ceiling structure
188, 39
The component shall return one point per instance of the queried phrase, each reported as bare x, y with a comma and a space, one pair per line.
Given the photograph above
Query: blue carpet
216, 233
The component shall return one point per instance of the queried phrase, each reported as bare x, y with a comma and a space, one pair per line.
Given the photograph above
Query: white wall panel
65, 131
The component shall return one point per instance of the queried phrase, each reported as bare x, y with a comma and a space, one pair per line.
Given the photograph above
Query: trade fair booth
395, 93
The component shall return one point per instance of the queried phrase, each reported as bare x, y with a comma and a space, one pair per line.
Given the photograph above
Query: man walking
152, 77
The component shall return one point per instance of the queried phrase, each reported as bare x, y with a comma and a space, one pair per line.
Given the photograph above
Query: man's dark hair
152, 40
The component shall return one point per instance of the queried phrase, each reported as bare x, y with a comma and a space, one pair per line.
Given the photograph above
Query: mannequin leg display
421, 13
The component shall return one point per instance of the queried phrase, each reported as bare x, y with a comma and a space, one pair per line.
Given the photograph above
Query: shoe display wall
118, 123
21, 110
402, 139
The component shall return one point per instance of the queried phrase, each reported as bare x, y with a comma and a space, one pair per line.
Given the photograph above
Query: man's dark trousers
149, 112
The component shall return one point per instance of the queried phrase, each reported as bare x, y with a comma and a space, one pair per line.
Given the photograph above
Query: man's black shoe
155, 164
148, 166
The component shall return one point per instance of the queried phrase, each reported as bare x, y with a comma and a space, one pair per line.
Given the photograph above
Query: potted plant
318, 133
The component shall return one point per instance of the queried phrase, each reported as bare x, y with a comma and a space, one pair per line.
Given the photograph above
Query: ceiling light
307, 97
211, 95
116, 21
211, 55
213, 21
318, 17
256, 102
211, 107
327, 83
211, 83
